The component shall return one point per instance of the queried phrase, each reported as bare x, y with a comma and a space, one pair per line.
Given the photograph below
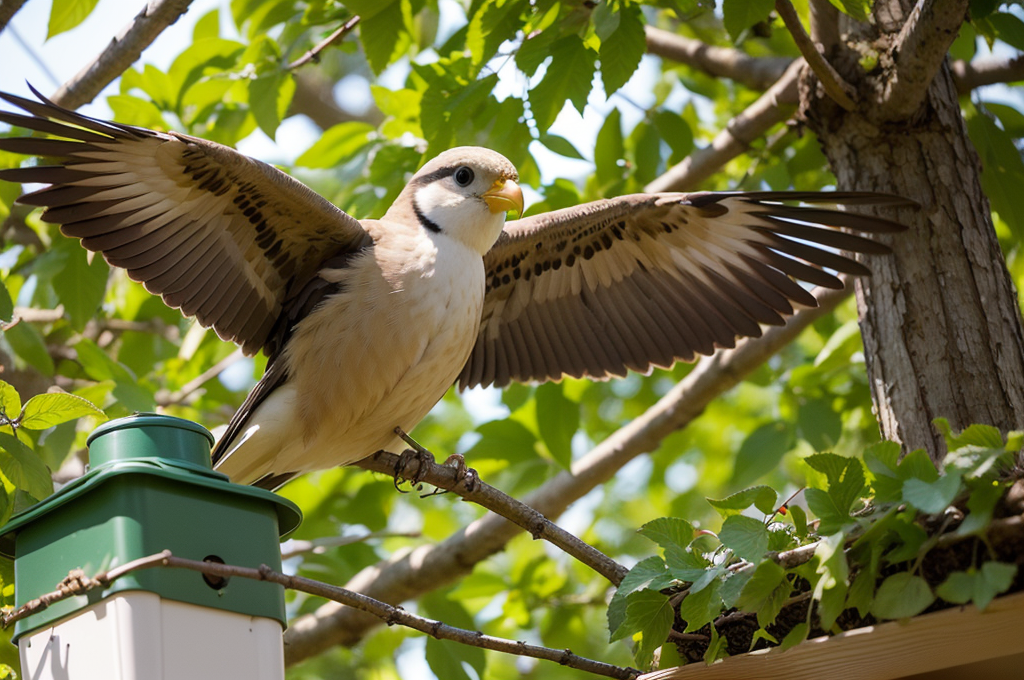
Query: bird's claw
419, 460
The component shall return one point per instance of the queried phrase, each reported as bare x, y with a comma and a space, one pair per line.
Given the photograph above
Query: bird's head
463, 193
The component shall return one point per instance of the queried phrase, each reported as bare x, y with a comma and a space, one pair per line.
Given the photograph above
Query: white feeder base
136, 635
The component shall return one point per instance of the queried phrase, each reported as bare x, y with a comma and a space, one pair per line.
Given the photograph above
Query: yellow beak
505, 195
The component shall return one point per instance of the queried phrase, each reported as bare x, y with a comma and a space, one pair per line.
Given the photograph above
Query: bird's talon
422, 460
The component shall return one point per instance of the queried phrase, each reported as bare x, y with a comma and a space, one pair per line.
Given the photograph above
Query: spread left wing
651, 279
218, 235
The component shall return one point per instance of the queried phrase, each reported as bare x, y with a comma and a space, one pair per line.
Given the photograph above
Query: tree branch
771, 108
472, 489
406, 576
8, 8
314, 54
121, 53
969, 75
78, 583
918, 52
757, 73
836, 88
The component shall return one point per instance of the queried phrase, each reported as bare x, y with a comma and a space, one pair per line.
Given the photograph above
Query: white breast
378, 355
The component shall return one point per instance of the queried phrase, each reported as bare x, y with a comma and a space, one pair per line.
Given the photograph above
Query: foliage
514, 76
873, 552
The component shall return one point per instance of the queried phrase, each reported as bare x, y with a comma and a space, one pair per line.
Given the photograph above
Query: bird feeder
151, 488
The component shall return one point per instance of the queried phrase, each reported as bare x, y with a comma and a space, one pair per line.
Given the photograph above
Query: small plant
892, 539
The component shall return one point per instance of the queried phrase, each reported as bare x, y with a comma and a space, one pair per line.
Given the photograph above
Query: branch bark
969, 75
408, 575
121, 53
8, 8
773, 107
834, 85
77, 583
757, 73
918, 52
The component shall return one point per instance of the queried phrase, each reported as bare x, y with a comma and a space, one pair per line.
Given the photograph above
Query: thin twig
757, 73
470, 488
77, 583
123, 51
834, 85
176, 397
314, 54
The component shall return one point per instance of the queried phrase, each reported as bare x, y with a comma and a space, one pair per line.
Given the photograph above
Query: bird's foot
417, 460
464, 476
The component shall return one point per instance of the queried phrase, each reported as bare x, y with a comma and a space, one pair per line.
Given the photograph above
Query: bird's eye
464, 176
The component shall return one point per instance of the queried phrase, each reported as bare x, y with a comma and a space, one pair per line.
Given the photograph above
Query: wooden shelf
895, 649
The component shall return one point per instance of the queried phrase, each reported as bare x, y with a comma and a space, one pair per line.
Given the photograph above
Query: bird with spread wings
367, 323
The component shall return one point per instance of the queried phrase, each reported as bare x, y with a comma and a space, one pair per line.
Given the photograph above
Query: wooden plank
890, 650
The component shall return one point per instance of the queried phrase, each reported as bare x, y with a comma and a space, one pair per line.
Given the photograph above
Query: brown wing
218, 235
651, 279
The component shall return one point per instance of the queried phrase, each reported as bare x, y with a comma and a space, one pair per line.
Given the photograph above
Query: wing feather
651, 279
184, 216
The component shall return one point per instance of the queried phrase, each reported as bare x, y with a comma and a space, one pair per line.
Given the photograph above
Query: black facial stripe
424, 220
436, 175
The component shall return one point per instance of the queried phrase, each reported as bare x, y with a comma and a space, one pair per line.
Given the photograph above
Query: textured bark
940, 320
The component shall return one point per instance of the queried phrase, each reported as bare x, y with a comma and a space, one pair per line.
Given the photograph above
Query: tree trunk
940, 320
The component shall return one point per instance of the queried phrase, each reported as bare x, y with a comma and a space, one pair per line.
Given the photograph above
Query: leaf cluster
874, 544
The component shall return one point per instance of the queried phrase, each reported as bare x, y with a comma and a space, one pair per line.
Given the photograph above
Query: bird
366, 323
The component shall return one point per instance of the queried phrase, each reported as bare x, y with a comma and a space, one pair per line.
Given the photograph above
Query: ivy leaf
795, 636
46, 410
621, 51
558, 418
901, 596
739, 15
845, 482
701, 608
568, 78
761, 497
668, 532
24, 468
745, 536
932, 497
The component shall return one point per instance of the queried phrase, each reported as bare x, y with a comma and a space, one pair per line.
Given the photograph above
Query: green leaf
379, 33
132, 110
99, 366
24, 468
337, 145
701, 608
560, 145
882, 460
761, 497
10, 400
762, 450
1002, 168
650, 614
46, 410
932, 497
641, 575
958, 588
81, 285
1008, 28
901, 596
819, 424
29, 345
621, 51
6, 303
845, 481
66, 14
980, 506
994, 578
668, 532
858, 9
446, 657
739, 15
862, 592
610, 150
760, 588
795, 636
732, 586
506, 440
493, 23
568, 78
270, 95
558, 418
983, 436
799, 519
675, 131
686, 564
